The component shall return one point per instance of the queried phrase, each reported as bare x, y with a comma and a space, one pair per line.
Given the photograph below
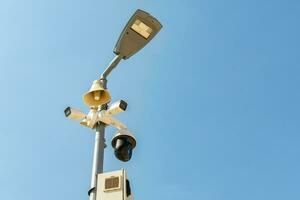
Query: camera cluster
123, 142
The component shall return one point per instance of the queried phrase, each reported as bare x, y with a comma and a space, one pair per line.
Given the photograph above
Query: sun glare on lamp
142, 29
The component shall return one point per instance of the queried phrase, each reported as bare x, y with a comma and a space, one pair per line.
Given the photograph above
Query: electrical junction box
113, 186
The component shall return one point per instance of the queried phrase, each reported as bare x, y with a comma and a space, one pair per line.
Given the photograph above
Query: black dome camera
123, 143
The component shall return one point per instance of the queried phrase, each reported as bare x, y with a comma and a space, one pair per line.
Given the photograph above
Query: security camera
117, 107
75, 114
123, 143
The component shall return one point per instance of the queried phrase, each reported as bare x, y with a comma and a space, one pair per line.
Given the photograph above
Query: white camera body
74, 113
117, 107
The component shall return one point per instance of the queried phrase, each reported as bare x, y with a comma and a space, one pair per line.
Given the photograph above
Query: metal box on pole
113, 186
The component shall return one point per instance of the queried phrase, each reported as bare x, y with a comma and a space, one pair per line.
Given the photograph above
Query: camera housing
117, 107
123, 143
73, 113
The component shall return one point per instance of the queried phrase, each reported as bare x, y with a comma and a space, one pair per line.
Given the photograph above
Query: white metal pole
97, 158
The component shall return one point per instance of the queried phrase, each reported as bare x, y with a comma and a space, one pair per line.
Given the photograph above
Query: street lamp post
98, 157
139, 30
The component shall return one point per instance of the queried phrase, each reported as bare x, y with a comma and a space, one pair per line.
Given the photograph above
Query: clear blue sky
213, 99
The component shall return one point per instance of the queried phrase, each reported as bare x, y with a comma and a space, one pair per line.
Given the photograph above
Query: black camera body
123, 143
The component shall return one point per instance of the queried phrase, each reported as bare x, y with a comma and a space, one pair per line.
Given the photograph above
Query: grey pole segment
99, 137
110, 67
97, 158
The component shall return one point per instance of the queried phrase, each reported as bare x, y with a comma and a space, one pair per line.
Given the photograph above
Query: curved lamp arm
110, 67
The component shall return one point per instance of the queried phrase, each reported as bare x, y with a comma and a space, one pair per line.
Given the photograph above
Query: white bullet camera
74, 114
117, 107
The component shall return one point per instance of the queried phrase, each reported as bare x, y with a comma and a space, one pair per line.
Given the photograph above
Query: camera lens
67, 111
123, 149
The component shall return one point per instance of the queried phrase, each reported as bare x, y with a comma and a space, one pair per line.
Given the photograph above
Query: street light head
97, 95
140, 29
123, 143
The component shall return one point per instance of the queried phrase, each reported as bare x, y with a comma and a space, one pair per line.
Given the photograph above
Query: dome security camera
123, 143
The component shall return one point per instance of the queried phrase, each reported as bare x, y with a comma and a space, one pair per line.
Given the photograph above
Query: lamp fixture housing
140, 29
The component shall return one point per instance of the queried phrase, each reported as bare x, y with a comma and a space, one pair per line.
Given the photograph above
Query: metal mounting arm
110, 67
